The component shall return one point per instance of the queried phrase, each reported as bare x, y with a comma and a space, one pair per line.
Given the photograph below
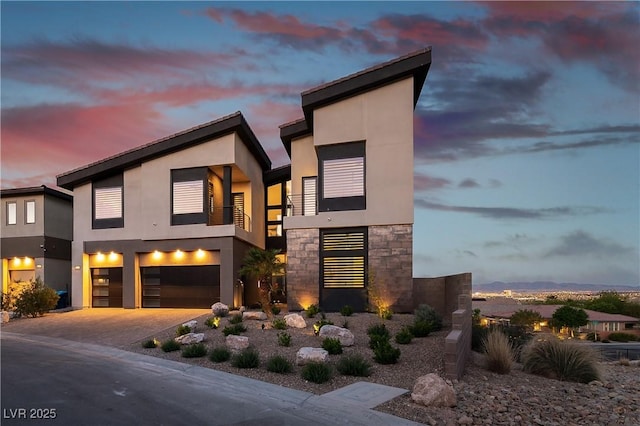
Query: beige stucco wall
383, 118
22, 229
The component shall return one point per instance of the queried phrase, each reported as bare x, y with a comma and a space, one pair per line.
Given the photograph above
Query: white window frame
12, 213
30, 212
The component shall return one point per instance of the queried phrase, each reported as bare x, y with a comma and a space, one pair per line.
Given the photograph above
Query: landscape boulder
5, 317
190, 338
220, 309
237, 343
191, 324
345, 336
295, 321
307, 355
254, 315
433, 391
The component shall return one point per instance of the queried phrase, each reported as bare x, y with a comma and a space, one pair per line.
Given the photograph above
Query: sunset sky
527, 132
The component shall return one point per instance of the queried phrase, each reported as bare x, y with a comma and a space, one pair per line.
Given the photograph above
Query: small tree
525, 318
36, 299
262, 265
570, 317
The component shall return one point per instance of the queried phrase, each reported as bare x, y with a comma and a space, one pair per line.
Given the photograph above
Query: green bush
36, 299
279, 364
312, 311
331, 345
404, 336
384, 353
234, 329
346, 311
279, 324
182, 330
376, 339
421, 328
573, 362
170, 346
235, 319
427, 313
247, 358
275, 310
150, 344
212, 322
622, 337
378, 330
499, 352
385, 313
196, 350
284, 339
354, 365
220, 354
316, 372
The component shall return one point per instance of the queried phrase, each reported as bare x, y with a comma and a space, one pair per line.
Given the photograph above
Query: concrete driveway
115, 327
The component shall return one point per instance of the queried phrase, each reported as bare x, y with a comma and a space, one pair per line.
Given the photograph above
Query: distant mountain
498, 286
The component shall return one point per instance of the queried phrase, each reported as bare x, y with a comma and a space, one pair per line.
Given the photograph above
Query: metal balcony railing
239, 217
301, 205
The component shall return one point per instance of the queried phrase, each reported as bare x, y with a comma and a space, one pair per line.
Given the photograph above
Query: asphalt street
48, 381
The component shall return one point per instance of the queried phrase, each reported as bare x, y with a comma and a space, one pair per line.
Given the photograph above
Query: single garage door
180, 286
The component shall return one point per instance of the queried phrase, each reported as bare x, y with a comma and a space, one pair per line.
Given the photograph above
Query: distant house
36, 226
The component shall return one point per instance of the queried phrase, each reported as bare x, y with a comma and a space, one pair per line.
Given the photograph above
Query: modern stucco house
36, 229
168, 224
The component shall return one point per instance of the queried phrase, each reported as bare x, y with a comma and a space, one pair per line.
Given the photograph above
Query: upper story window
12, 213
108, 203
342, 177
190, 196
30, 211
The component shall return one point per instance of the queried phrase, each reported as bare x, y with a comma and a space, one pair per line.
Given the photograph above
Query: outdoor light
113, 256
77, 267
28, 261
39, 266
157, 255
200, 254
17, 261
100, 257
179, 254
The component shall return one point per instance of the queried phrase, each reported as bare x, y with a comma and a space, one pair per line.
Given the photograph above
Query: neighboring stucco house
352, 188
37, 230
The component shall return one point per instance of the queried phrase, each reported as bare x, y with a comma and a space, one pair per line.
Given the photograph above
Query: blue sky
527, 133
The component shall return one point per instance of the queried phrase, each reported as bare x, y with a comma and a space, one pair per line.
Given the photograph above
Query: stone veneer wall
303, 268
391, 260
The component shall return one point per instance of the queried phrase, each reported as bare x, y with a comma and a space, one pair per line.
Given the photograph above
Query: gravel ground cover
484, 398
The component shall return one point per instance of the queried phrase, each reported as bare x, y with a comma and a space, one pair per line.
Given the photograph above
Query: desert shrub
150, 344
36, 299
622, 337
275, 310
212, 322
346, 311
425, 312
312, 311
378, 330
565, 361
498, 351
404, 336
279, 364
235, 319
624, 361
384, 353
354, 365
345, 324
182, 330
376, 339
316, 372
478, 334
318, 325
279, 324
170, 346
234, 329
421, 328
331, 345
385, 313
197, 350
220, 354
284, 339
247, 358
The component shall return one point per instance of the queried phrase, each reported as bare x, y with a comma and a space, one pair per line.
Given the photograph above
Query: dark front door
106, 287
180, 286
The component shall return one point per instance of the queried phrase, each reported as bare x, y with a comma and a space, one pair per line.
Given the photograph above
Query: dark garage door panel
180, 286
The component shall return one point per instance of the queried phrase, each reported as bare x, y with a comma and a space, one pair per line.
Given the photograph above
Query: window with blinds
30, 211
108, 203
309, 196
188, 197
344, 259
343, 177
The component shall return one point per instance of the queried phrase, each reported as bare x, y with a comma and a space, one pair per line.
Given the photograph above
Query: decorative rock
345, 336
237, 343
465, 420
307, 355
220, 309
432, 391
5, 317
189, 338
254, 315
191, 324
295, 321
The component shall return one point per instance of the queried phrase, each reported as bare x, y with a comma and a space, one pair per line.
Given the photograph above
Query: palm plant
262, 265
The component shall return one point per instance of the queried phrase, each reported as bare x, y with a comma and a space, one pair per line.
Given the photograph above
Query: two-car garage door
180, 286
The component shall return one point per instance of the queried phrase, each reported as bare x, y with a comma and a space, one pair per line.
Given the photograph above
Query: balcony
301, 205
238, 217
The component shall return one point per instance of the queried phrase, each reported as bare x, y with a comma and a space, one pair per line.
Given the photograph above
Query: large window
342, 177
108, 203
30, 211
191, 196
309, 196
344, 258
12, 213
188, 197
